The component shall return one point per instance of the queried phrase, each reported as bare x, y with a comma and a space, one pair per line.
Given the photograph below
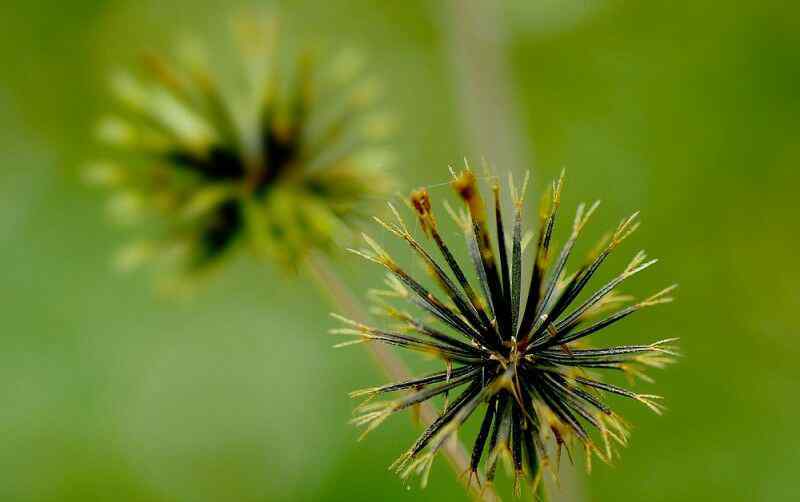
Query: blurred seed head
520, 358
272, 149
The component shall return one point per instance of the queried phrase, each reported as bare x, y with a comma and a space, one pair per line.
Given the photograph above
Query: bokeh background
687, 110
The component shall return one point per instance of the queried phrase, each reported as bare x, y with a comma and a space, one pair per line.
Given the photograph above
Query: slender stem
475, 37
542, 492
477, 51
394, 368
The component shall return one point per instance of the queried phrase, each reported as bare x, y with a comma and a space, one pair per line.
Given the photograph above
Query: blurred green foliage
688, 111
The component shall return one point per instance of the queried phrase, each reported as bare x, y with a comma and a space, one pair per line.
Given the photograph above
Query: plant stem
475, 45
340, 295
542, 492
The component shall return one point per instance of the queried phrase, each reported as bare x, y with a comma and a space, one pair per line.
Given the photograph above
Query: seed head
522, 362
275, 151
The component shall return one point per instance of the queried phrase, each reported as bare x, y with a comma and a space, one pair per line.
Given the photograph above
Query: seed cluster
280, 157
521, 359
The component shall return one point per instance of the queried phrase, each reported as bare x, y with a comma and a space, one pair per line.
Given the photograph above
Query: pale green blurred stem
543, 496
476, 50
346, 303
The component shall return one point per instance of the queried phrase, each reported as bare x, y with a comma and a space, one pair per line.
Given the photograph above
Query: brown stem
394, 368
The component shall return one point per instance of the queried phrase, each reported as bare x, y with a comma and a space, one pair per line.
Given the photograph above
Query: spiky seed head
522, 361
282, 162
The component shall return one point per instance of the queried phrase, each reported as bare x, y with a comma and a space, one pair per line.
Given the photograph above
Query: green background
689, 111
